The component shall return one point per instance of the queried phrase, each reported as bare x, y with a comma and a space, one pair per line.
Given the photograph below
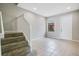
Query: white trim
2, 31
2, 28
64, 39
0, 46
70, 40
2, 25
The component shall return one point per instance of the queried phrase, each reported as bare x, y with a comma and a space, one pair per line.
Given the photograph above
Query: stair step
13, 34
25, 53
12, 39
12, 46
17, 52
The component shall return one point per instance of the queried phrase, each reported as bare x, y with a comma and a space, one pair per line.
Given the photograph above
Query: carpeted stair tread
25, 53
14, 44
18, 52
8, 47
14, 34
12, 39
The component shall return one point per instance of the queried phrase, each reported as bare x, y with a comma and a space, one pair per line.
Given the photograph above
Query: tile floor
55, 47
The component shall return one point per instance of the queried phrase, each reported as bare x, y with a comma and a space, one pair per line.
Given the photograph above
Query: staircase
14, 44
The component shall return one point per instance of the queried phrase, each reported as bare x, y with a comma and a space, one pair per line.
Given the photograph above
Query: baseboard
71, 40
75, 40
64, 39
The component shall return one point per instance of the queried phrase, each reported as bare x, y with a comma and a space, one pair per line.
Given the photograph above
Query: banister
2, 24
2, 30
2, 27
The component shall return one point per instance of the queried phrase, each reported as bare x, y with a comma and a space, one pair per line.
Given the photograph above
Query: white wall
63, 27
32, 25
66, 26
23, 26
37, 25
75, 28
9, 12
11, 23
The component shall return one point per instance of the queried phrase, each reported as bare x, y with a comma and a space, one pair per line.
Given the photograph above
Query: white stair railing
1, 27
1, 30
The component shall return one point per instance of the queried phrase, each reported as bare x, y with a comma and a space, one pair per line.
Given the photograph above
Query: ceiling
49, 9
